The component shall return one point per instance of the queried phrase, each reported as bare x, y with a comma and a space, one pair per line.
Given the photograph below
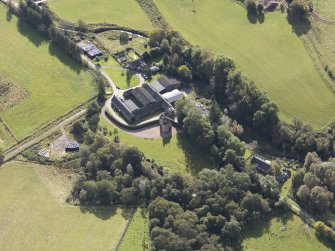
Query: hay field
54, 82
269, 53
125, 12
31, 219
285, 232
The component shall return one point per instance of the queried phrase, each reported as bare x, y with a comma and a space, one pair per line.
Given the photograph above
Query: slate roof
72, 146
142, 96
281, 178
168, 81
262, 165
157, 86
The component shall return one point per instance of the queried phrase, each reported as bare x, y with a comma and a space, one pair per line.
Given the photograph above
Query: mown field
286, 232
176, 154
269, 53
55, 83
137, 237
125, 13
31, 219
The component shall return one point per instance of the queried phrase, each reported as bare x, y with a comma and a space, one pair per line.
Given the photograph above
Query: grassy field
323, 35
269, 53
120, 78
55, 83
287, 232
137, 237
31, 219
177, 154
125, 13
6, 139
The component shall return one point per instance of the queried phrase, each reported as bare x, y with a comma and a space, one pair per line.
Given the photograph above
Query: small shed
72, 146
282, 178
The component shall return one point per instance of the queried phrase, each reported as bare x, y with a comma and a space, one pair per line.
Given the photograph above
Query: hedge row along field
269, 53
54, 82
31, 219
125, 13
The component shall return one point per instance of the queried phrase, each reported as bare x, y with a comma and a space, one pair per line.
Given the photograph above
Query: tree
82, 25
2, 155
124, 38
156, 37
78, 129
260, 9
231, 230
133, 157
251, 7
303, 193
298, 10
92, 115
184, 73
321, 198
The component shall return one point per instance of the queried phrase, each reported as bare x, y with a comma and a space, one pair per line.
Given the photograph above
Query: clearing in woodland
31, 218
269, 53
125, 13
55, 83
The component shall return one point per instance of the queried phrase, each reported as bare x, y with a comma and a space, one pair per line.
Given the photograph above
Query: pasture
177, 153
268, 52
54, 82
137, 237
125, 13
282, 233
31, 219
6, 139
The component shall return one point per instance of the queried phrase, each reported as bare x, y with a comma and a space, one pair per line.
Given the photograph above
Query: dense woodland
207, 212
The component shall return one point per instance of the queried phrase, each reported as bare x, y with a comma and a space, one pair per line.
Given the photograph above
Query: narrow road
12, 153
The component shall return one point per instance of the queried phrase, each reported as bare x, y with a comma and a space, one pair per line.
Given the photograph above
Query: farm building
138, 65
262, 165
139, 102
173, 96
282, 178
90, 49
165, 84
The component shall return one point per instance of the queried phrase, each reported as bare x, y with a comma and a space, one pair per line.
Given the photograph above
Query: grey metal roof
122, 108
167, 81
157, 86
142, 96
131, 105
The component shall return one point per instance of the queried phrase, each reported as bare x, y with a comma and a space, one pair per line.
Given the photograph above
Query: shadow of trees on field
30, 33
252, 18
9, 15
196, 159
106, 212
65, 59
300, 27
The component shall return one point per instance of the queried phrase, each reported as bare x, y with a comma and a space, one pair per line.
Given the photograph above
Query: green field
125, 13
137, 237
269, 53
120, 78
55, 83
293, 235
177, 154
31, 219
6, 140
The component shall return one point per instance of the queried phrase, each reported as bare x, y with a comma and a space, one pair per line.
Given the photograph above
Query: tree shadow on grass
65, 59
300, 27
196, 159
252, 18
261, 18
106, 212
9, 15
102, 212
30, 33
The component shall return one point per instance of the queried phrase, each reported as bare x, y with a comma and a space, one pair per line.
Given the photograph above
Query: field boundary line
125, 230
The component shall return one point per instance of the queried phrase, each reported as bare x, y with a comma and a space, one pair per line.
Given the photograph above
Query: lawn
137, 237
286, 232
177, 154
31, 219
269, 53
120, 78
125, 13
54, 82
